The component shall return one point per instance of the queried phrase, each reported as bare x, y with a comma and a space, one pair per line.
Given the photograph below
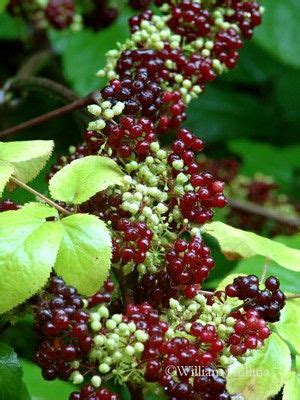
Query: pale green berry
96, 381
104, 368
110, 324
129, 350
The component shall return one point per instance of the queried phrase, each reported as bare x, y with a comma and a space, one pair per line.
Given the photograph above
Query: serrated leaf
27, 157
289, 325
28, 249
264, 373
235, 243
291, 390
10, 373
83, 178
6, 171
84, 255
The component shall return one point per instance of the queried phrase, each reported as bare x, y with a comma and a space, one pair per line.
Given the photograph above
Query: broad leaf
236, 243
281, 43
84, 255
28, 249
27, 157
291, 390
264, 158
39, 389
6, 171
91, 47
289, 282
83, 178
289, 325
221, 113
264, 373
10, 373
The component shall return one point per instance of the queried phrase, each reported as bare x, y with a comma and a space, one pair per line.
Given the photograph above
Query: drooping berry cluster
59, 14
267, 303
63, 324
249, 332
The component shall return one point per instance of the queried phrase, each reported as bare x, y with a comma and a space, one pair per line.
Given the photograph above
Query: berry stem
46, 85
259, 210
41, 196
293, 296
264, 273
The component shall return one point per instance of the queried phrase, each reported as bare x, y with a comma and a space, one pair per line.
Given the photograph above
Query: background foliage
252, 113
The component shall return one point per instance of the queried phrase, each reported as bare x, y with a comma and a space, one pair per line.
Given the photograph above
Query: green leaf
91, 47
28, 157
221, 113
12, 27
281, 43
289, 280
289, 325
24, 395
10, 373
236, 243
264, 373
28, 249
81, 179
264, 158
84, 255
3, 4
6, 171
39, 389
291, 390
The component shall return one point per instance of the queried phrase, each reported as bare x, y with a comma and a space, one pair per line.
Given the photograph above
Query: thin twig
35, 63
41, 196
293, 296
75, 105
264, 212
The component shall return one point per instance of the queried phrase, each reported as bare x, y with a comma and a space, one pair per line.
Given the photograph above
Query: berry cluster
89, 392
189, 262
156, 215
100, 14
59, 14
267, 303
63, 324
249, 332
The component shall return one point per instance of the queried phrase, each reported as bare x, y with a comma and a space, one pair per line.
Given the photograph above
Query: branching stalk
41, 196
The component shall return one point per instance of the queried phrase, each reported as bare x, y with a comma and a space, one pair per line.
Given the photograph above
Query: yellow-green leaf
83, 178
235, 243
291, 390
264, 373
84, 255
289, 325
6, 171
28, 248
27, 157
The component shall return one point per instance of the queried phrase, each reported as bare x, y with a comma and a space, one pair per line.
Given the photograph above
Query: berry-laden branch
263, 211
155, 219
39, 195
60, 91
